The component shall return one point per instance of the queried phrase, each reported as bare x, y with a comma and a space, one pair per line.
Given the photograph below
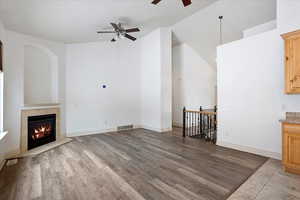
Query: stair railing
200, 124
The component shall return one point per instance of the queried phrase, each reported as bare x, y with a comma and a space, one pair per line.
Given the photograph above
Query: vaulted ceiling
201, 30
78, 20
197, 25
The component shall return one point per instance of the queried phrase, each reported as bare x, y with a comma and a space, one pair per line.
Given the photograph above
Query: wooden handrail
200, 123
201, 112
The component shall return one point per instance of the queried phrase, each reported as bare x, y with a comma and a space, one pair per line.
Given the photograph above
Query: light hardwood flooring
138, 164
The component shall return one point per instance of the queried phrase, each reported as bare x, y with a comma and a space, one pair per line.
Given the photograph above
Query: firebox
41, 130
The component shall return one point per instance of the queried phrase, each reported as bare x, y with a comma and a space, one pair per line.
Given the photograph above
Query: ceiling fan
121, 32
185, 2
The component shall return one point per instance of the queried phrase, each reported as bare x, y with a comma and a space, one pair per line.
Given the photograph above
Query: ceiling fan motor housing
121, 32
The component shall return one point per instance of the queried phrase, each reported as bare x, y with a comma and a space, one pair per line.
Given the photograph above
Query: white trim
3, 134
176, 124
94, 132
166, 130
2, 164
84, 133
261, 152
40, 106
157, 129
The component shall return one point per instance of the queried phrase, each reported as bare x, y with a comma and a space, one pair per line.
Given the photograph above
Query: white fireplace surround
37, 111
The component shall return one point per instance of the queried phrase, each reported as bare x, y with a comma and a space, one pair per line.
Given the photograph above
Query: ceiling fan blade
116, 27
186, 2
113, 40
156, 1
130, 37
106, 31
131, 30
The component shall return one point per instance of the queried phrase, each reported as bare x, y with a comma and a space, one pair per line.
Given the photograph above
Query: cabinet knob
294, 79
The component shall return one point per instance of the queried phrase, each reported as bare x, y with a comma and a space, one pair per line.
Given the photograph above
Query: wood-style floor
131, 165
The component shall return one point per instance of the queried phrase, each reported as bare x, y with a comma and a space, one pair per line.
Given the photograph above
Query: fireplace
41, 130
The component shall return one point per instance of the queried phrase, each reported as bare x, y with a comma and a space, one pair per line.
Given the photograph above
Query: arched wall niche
40, 75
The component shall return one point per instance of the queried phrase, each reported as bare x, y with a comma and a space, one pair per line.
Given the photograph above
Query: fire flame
41, 132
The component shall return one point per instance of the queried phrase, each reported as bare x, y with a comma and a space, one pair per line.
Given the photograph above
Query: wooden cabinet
291, 147
292, 62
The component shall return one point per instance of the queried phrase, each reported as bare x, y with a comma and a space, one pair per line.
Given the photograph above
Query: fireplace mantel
40, 106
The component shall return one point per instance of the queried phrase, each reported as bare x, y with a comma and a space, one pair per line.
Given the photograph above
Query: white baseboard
177, 124
261, 152
156, 129
3, 134
2, 163
83, 133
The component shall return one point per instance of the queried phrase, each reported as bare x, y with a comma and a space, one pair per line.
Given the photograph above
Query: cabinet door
292, 149
295, 63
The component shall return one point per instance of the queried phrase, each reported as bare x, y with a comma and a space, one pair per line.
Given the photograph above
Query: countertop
291, 118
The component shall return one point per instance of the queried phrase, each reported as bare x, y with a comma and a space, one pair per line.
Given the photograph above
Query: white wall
2, 38
14, 82
90, 108
156, 80
151, 79
166, 79
251, 93
138, 76
194, 82
288, 15
39, 77
260, 28
251, 96
3, 140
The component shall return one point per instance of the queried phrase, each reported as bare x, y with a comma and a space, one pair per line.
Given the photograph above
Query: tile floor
269, 182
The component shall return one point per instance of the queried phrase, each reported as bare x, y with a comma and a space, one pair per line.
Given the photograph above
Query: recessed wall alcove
40, 75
